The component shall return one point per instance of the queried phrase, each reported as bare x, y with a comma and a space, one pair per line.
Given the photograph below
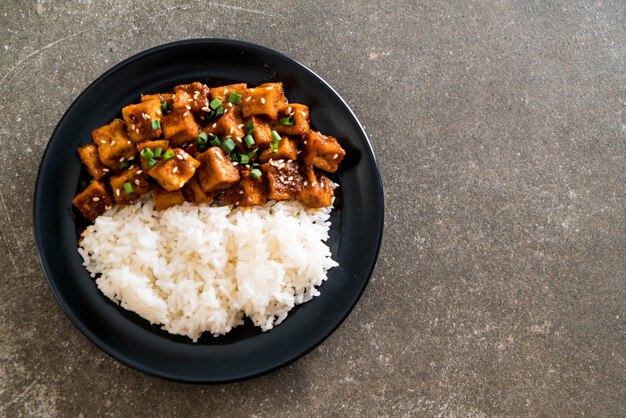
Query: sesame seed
137, 182
201, 117
303, 113
103, 142
232, 129
240, 125
230, 104
235, 163
175, 169
122, 160
107, 207
281, 161
240, 191
140, 171
206, 109
187, 107
304, 142
225, 92
106, 170
262, 100
238, 138
132, 127
335, 156
214, 125
255, 164
306, 183
196, 93
131, 167
298, 152
128, 142
180, 157
186, 114
314, 183
137, 130
112, 143
95, 199
211, 134
290, 178
131, 158
117, 192
173, 96
289, 110
322, 185
269, 88
247, 165
248, 98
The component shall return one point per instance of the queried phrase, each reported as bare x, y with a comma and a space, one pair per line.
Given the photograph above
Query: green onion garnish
156, 124
215, 103
274, 145
255, 173
251, 153
288, 121
211, 114
124, 164
219, 111
216, 142
228, 145
147, 153
244, 159
164, 106
234, 97
276, 136
152, 163
202, 138
128, 188
249, 127
168, 154
249, 140
157, 152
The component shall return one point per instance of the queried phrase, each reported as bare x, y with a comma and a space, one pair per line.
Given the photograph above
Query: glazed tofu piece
293, 119
129, 185
193, 97
143, 120
261, 131
263, 100
179, 127
172, 173
114, 145
321, 151
316, 191
287, 150
164, 199
223, 93
161, 97
216, 171
230, 124
249, 191
93, 201
157, 149
283, 179
89, 156
193, 192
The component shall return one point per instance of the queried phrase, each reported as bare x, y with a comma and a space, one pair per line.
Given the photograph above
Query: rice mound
202, 268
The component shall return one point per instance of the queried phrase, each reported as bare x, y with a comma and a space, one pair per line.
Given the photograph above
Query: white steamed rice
202, 268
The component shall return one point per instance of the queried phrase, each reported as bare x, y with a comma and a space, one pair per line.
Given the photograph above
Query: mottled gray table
500, 131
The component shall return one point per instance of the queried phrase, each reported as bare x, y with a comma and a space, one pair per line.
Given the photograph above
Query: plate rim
37, 230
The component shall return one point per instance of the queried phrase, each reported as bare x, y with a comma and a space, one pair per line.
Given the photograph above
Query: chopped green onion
249, 127
244, 159
168, 154
152, 163
157, 152
147, 153
276, 136
274, 145
288, 121
156, 124
216, 142
228, 145
255, 173
219, 111
202, 138
124, 164
251, 153
128, 188
249, 140
211, 114
215, 103
234, 97
164, 106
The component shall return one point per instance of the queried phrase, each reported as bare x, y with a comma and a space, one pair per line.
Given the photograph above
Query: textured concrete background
500, 131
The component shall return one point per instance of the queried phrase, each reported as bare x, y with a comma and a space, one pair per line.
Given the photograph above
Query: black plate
357, 221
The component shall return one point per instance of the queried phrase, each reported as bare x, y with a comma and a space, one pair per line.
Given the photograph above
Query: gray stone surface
500, 131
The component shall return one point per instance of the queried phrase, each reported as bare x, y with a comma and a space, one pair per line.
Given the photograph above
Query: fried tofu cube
129, 185
261, 131
293, 119
321, 151
193, 97
161, 97
222, 93
89, 156
143, 120
193, 192
93, 201
283, 179
249, 191
164, 199
263, 100
216, 171
153, 146
173, 173
114, 145
179, 127
286, 150
316, 192
230, 124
